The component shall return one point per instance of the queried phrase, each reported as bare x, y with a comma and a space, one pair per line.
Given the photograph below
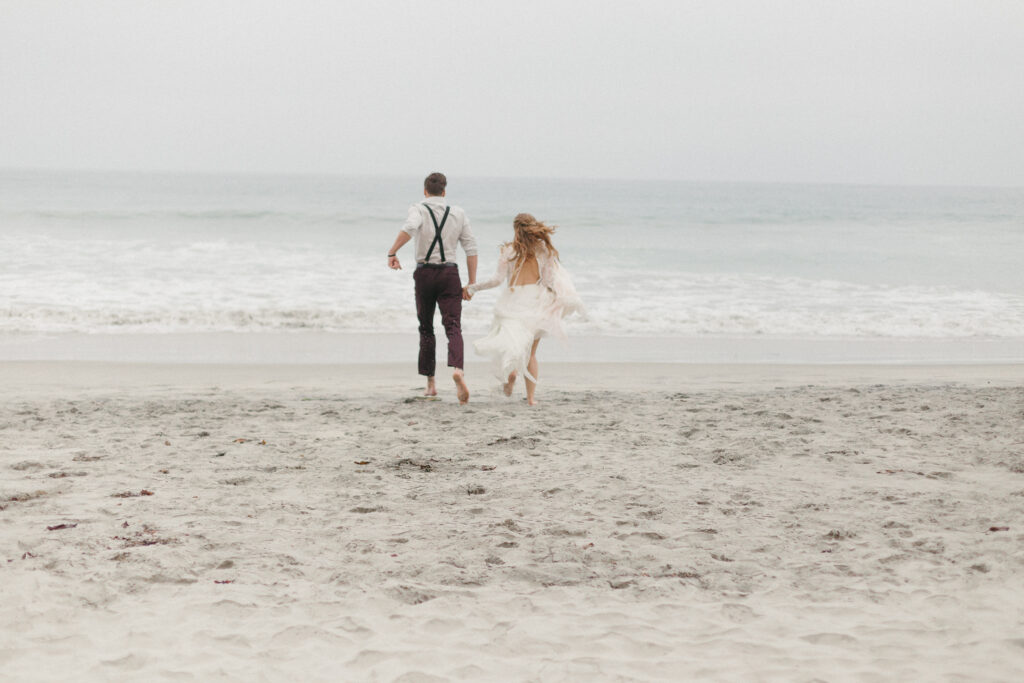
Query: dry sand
779, 523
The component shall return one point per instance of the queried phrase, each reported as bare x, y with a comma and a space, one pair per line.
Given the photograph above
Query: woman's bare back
528, 273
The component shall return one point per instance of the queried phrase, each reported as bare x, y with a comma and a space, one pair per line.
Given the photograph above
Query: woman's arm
556, 278
499, 275
546, 269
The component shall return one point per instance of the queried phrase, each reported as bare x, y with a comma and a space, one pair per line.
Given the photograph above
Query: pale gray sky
865, 91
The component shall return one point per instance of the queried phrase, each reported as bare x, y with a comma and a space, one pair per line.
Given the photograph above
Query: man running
438, 229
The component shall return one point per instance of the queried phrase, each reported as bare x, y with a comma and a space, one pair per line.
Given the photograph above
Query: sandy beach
651, 522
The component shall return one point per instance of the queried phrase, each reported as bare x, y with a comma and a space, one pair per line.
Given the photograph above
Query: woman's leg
510, 384
532, 366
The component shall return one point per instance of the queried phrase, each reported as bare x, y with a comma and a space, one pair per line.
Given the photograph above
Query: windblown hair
530, 234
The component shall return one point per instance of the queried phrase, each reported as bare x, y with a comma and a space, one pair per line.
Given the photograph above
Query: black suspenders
437, 233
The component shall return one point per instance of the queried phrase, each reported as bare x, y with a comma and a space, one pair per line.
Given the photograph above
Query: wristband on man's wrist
391, 255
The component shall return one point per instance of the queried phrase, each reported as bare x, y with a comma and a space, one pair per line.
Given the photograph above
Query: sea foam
110, 253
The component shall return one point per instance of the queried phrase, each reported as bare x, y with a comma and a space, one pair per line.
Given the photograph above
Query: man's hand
466, 296
402, 238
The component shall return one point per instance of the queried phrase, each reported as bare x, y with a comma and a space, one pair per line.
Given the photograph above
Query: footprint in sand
410, 595
835, 639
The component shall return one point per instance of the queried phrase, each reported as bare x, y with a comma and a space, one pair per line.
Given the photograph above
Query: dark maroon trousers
440, 287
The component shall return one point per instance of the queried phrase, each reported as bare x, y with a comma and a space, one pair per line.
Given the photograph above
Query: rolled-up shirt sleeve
466, 239
413, 221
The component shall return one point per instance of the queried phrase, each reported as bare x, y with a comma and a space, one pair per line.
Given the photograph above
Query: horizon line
344, 174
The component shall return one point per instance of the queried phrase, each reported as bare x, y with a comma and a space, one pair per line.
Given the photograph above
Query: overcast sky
911, 92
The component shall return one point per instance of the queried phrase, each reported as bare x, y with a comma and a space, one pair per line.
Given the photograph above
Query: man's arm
409, 228
471, 267
468, 242
400, 241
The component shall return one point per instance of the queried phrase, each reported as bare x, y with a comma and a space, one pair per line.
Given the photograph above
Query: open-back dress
524, 313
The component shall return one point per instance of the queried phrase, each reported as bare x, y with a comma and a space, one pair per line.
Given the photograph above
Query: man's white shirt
456, 230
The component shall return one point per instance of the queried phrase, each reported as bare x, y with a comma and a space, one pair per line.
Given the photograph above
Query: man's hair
435, 184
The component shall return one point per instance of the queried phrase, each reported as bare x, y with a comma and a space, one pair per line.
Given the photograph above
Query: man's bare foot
431, 387
460, 386
507, 386
531, 401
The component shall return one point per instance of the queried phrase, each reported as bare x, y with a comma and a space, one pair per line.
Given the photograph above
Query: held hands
466, 296
393, 263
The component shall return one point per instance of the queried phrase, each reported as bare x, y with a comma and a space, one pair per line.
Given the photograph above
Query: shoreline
372, 348
385, 381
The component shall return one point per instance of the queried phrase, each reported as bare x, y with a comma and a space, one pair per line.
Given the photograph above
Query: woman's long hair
529, 234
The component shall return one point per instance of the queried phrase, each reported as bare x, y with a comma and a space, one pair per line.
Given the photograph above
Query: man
438, 229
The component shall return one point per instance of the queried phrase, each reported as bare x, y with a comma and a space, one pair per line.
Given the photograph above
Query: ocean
667, 270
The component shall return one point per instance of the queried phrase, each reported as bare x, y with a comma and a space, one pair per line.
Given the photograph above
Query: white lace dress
524, 313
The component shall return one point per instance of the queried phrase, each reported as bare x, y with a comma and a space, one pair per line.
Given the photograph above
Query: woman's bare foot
460, 386
531, 401
507, 386
431, 387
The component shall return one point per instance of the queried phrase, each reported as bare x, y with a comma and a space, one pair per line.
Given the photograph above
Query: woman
539, 294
